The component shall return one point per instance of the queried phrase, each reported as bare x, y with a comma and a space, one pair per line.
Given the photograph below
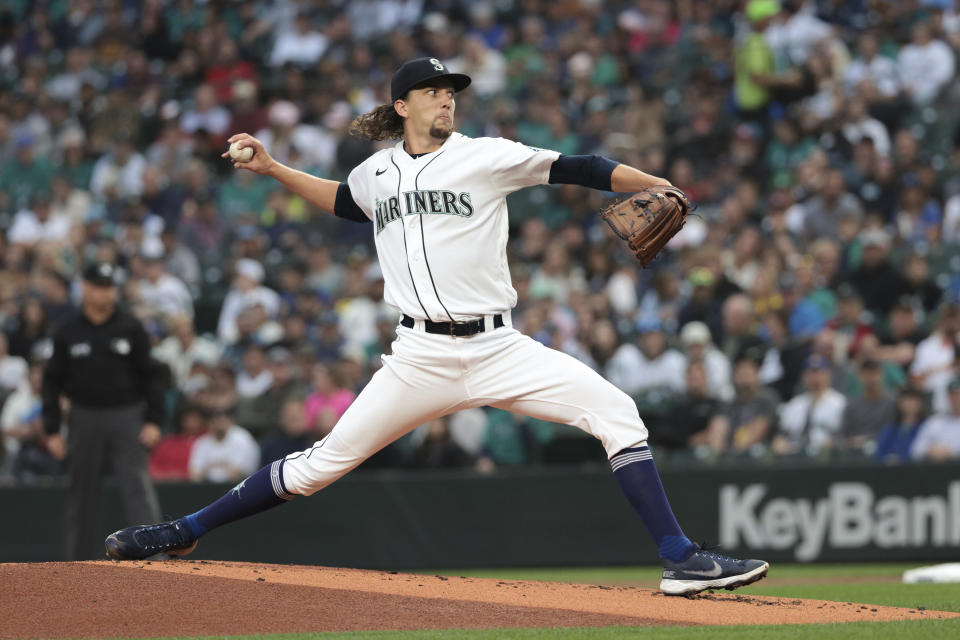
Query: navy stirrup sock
638, 478
259, 492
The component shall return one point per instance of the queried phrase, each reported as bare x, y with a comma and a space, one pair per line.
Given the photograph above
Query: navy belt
458, 329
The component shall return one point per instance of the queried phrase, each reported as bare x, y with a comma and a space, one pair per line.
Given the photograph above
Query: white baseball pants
430, 375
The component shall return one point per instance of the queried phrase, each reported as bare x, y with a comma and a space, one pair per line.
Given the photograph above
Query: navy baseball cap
815, 361
101, 274
413, 72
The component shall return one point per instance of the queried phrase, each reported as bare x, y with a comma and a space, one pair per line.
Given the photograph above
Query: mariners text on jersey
423, 201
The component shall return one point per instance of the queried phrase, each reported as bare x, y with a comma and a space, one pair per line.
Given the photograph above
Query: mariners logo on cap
437, 64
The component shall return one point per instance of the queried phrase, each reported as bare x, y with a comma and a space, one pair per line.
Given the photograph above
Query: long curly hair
383, 123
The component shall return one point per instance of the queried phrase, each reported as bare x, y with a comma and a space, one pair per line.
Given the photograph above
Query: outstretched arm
601, 173
626, 179
317, 191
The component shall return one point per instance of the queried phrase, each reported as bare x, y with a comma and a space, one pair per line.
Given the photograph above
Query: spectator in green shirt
26, 176
754, 57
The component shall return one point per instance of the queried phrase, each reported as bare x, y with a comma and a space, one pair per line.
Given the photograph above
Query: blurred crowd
811, 307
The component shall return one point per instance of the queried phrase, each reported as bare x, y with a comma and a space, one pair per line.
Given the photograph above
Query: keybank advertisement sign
885, 516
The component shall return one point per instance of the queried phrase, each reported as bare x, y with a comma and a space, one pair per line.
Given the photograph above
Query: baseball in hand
240, 155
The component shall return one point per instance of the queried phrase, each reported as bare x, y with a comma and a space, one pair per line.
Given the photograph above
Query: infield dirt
196, 598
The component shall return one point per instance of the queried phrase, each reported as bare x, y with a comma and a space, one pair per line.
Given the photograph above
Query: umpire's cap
101, 274
413, 72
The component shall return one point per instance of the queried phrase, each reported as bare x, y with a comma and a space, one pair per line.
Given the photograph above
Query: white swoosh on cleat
712, 573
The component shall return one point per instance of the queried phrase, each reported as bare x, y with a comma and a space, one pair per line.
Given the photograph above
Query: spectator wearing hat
935, 358
649, 364
811, 422
225, 453
919, 283
753, 57
691, 413
918, 217
747, 421
247, 291
939, 437
698, 346
808, 303
258, 413
877, 281
848, 325
649, 371
901, 333
163, 294
897, 436
101, 363
703, 305
26, 176
869, 411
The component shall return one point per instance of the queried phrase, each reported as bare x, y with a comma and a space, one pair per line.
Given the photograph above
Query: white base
937, 573
689, 587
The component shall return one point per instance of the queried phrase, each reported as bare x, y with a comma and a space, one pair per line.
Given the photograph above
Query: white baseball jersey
440, 226
440, 222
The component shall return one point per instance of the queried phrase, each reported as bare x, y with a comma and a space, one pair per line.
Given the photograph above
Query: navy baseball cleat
142, 541
708, 570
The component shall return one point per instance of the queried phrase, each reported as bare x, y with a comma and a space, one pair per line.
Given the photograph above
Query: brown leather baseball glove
648, 219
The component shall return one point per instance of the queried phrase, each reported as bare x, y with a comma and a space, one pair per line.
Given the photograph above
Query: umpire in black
101, 363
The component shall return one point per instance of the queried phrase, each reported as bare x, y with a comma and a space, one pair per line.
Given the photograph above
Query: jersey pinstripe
440, 222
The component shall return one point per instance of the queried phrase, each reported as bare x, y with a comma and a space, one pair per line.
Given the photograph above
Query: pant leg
85, 448
419, 383
516, 373
129, 459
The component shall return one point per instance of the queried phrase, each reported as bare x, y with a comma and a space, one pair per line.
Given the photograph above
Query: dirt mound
192, 598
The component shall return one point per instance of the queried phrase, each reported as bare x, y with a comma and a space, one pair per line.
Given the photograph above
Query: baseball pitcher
436, 205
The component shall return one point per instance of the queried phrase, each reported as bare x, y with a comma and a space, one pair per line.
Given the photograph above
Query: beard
441, 132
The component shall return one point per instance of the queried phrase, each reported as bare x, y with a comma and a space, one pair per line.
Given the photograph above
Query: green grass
919, 630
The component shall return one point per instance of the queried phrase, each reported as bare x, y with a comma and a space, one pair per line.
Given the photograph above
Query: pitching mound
194, 598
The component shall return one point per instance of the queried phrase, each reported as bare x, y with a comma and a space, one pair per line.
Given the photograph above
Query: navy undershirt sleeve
345, 206
589, 171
